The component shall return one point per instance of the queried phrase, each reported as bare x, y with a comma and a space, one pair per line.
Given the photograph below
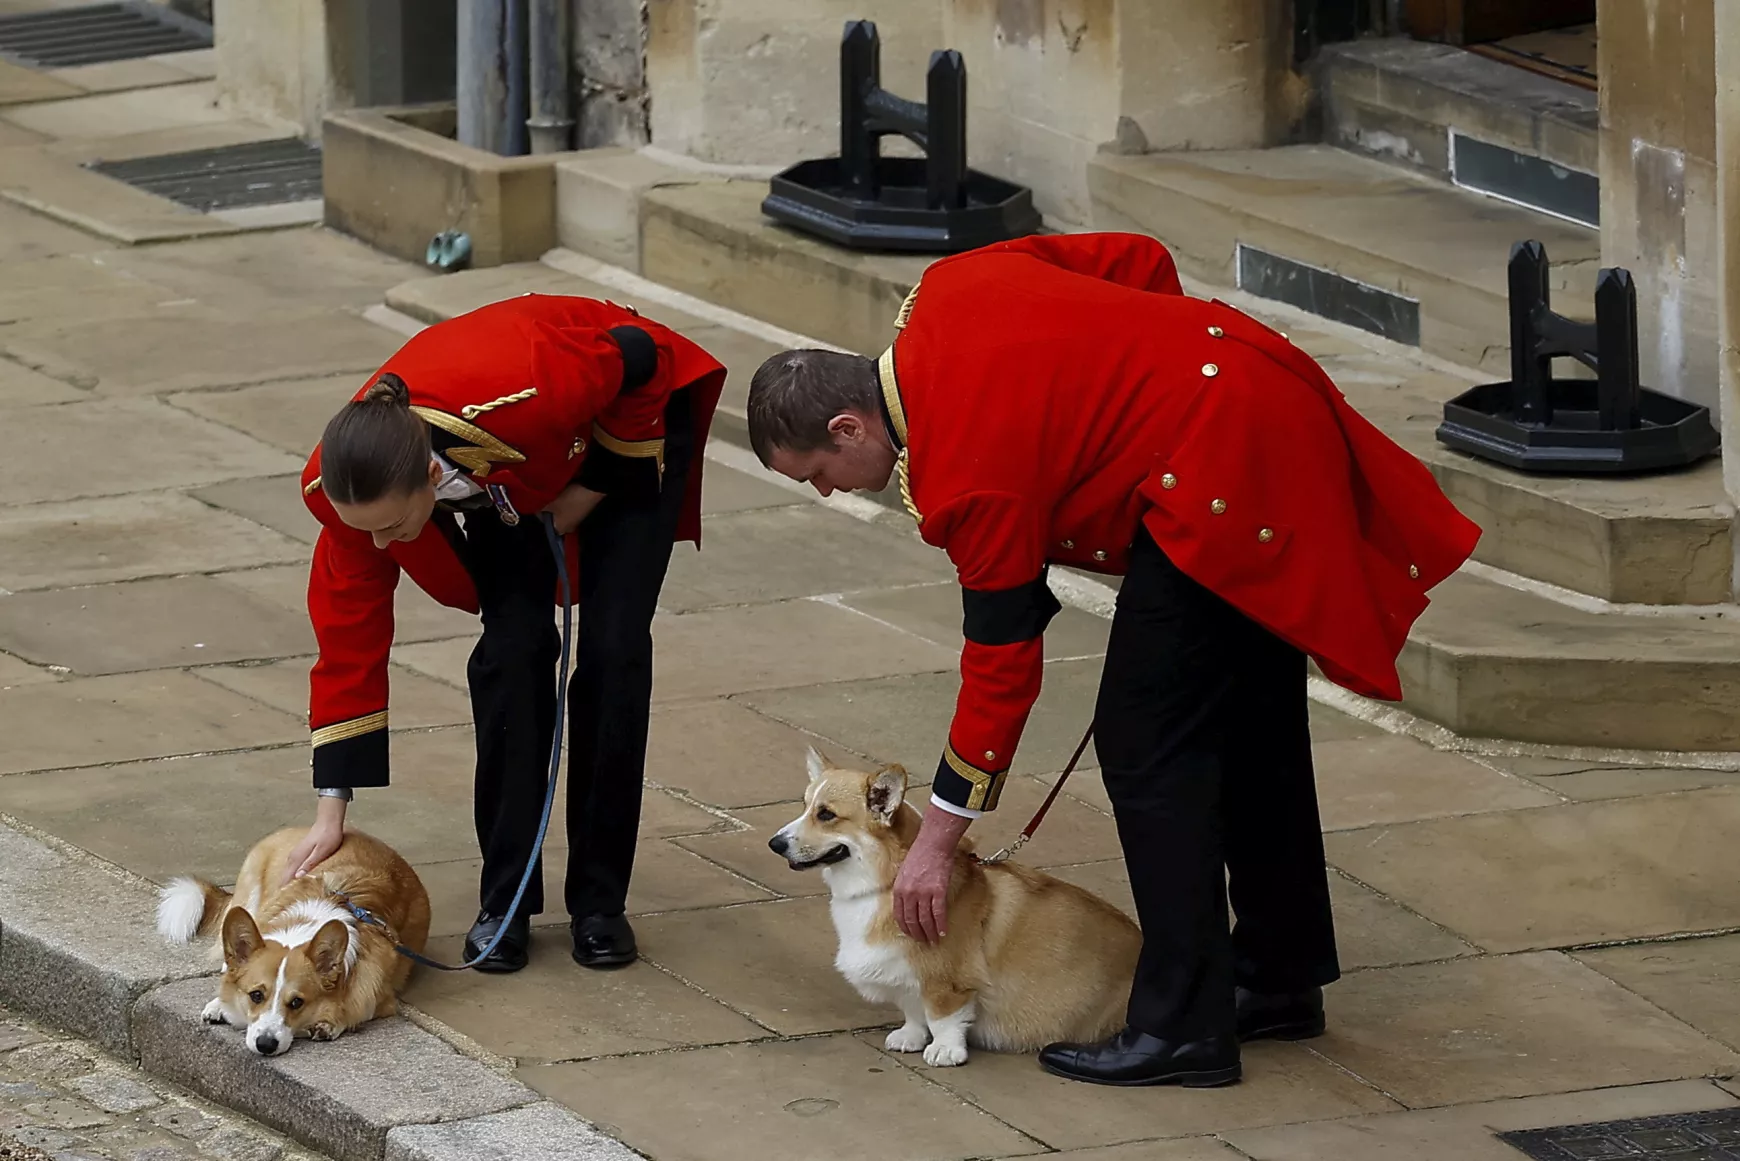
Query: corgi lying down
297, 962
1028, 960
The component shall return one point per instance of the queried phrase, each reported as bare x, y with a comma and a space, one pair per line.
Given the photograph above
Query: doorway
1553, 37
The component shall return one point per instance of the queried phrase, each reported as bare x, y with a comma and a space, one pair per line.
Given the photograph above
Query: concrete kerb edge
92, 965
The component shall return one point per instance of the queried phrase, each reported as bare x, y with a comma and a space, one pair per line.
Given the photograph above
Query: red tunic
1052, 392
524, 395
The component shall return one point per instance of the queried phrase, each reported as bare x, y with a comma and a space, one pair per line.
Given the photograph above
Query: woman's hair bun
388, 389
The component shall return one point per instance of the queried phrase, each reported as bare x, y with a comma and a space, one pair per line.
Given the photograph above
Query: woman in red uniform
440, 468
1061, 400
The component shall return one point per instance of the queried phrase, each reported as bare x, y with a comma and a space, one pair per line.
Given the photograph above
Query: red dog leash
1000, 856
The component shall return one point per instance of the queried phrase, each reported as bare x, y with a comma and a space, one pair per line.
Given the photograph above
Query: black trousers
1205, 748
625, 548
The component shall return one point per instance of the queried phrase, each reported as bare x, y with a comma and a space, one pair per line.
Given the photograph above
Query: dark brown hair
796, 394
375, 446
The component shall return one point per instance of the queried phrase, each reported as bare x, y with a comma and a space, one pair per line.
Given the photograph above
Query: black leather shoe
1133, 1058
603, 941
510, 954
1280, 1015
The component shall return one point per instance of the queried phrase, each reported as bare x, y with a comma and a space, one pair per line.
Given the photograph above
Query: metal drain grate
261, 174
1712, 1136
63, 37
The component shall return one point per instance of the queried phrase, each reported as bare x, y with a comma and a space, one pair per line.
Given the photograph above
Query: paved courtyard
1527, 942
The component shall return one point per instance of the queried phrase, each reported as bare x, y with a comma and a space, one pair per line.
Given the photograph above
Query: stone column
1727, 69
1658, 182
272, 60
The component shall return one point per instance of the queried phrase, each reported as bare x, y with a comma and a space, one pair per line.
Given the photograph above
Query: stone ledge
546, 1131
78, 942
342, 1098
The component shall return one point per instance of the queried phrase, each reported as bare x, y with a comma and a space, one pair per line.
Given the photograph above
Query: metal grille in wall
92, 34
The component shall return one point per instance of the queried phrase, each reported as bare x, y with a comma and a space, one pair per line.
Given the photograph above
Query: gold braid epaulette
900, 465
473, 410
906, 309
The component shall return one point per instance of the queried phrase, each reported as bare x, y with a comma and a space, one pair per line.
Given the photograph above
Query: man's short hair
796, 394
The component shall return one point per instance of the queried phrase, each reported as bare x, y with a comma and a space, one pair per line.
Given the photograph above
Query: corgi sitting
297, 962
1028, 960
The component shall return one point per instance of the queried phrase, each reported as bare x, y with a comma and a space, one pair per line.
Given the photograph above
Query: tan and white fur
1028, 959
297, 962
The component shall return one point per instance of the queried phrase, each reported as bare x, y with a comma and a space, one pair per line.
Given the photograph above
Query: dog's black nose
776, 844
266, 1044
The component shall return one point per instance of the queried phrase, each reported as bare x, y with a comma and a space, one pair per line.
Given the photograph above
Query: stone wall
271, 59
1658, 182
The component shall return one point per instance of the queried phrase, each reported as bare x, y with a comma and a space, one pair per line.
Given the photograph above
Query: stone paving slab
126, 445
825, 1097
416, 615
725, 754
934, 613
556, 1010
1389, 779
817, 554
119, 538
905, 718
1283, 1083
1690, 979
1194, 1149
14, 672
90, 721
1468, 1133
290, 416
78, 944
1561, 876
341, 1097
115, 114
77, 286
20, 85
544, 1130
194, 620
415, 701
1509, 1026
745, 852
21, 387
1634, 782
773, 962
272, 501
24, 235
190, 347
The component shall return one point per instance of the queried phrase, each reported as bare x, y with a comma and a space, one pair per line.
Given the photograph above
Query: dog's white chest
878, 970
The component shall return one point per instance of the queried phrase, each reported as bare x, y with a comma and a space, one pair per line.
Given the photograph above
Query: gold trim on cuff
637, 449
356, 727
987, 785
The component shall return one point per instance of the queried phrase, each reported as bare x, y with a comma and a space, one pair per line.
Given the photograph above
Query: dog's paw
943, 1055
325, 1031
214, 1013
907, 1039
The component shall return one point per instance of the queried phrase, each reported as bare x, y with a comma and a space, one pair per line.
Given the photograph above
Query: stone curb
79, 950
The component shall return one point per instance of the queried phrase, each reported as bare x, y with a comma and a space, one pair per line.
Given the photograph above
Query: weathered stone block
543, 1130
78, 943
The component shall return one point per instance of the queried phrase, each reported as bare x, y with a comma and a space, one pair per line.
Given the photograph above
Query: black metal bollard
866, 201
1536, 422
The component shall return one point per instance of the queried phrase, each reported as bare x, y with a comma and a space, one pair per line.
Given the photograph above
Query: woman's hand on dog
921, 889
322, 839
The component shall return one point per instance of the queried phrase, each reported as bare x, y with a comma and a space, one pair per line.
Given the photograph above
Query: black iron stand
864, 201
1538, 423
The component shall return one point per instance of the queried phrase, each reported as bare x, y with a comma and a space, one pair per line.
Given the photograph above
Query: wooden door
1482, 21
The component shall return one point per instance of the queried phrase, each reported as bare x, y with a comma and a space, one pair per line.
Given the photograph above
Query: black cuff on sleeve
960, 783
640, 356
1008, 616
357, 762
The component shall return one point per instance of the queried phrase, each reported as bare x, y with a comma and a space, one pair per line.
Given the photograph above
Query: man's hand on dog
571, 507
322, 839
921, 889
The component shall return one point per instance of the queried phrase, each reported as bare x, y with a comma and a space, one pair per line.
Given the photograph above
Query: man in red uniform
1060, 400
439, 469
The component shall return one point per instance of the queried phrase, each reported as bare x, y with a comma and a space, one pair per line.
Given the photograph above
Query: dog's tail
188, 907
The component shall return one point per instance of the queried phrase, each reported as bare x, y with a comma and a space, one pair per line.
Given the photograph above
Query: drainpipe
492, 75
550, 125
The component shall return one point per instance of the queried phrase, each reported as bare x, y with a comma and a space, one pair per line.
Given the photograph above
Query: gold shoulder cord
900, 465
473, 410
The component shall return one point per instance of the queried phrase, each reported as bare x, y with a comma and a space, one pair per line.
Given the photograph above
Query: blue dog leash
363, 914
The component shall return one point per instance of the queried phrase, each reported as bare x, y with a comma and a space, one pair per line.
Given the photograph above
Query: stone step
1487, 660
1353, 239
1465, 119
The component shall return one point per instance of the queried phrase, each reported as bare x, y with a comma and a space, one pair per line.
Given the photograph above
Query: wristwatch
343, 792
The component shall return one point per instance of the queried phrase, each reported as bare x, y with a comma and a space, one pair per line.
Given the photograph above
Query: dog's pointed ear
887, 791
241, 937
817, 764
329, 949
